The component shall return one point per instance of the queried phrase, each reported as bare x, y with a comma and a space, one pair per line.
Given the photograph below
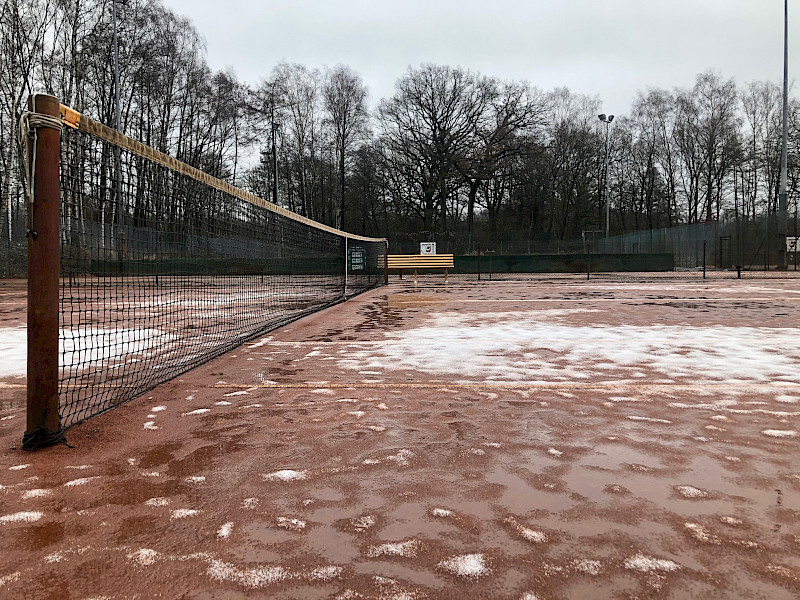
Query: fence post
704, 259
43, 233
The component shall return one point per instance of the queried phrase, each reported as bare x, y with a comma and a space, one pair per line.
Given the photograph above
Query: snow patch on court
688, 491
199, 411
648, 419
466, 565
251, 578
700, 533
26, 516
144, 557
539, 345
291, 524
157, 502
14, 350
78, 347
18, 467
780, 433
409, 548
648, 564
285, 475
325, 573
80, 481
530, 535
590, 567
787, 399
183, 513
38, 493
364, 523
402, 457
10, 578
224, 532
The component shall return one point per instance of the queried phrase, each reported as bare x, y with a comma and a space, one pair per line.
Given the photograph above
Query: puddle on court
384, 568
413, 300
615, 457
519, 497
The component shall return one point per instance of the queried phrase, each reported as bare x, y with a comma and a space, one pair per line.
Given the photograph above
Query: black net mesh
171, 272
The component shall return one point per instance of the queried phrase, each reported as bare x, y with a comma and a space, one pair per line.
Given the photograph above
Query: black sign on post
357, 258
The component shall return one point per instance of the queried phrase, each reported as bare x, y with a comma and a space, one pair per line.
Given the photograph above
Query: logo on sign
427, 248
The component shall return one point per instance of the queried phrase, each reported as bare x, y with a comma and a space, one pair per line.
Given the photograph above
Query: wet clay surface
551, 438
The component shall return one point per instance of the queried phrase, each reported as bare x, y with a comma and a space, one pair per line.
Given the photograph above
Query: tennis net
163, 267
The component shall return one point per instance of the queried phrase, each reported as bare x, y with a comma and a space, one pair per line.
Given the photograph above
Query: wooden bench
398, 262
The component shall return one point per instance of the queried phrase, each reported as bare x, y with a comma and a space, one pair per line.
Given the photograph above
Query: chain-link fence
13, 246
751, 244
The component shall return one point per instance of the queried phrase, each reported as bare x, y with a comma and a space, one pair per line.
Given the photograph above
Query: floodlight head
610, 118
602, 117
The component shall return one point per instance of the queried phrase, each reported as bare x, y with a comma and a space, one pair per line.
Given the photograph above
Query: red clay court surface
624, 437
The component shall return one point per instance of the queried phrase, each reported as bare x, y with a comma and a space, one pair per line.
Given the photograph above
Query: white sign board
427, 247
791, 244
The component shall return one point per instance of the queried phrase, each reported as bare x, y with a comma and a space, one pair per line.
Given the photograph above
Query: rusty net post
43, 143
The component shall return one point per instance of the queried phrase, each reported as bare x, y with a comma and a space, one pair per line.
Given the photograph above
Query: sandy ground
625, 437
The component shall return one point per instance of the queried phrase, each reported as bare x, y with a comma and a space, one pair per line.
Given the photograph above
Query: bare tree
344, 95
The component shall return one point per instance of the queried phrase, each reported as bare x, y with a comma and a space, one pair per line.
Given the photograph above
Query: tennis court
624, 437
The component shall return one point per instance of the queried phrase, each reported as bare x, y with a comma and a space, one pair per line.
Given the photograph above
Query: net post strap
29, 124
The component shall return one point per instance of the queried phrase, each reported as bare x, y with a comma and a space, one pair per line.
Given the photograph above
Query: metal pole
738, 229
116, 62
766, 235
605, 186
43, 423
118, 191
346, 261
274, 154
782, 196
704, 259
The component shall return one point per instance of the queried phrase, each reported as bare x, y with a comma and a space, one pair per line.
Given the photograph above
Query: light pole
607, 120
783, 193
116, 64
118, 181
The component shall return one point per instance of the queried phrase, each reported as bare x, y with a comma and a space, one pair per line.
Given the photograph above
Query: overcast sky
607, 47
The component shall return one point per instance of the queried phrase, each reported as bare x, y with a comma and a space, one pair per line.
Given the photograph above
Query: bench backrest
420, 261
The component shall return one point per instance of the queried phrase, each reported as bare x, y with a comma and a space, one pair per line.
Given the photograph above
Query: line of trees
453, 155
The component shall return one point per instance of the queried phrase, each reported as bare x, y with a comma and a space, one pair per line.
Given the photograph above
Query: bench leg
415, 277
401, 273
445, 275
